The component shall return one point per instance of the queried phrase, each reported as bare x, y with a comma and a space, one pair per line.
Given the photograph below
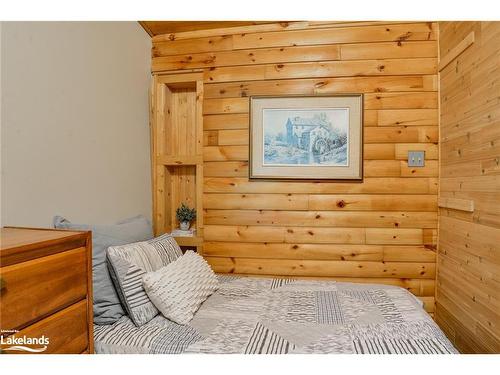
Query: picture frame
306, 137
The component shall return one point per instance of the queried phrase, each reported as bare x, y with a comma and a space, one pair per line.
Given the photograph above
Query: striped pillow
129, 263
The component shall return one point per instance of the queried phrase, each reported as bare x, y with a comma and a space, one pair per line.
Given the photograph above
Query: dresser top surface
11, 237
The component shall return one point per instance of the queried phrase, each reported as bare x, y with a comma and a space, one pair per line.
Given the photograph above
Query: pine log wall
382, 230
468, 285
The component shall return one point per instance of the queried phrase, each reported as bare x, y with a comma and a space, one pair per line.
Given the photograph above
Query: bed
279, 316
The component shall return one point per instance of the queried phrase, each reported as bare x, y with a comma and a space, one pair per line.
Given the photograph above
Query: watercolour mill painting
312, 137
306, 137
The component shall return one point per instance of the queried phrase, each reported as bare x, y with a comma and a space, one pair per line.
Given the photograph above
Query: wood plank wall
382, 230
468, 286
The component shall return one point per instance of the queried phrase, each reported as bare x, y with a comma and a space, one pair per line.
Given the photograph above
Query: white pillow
179, 288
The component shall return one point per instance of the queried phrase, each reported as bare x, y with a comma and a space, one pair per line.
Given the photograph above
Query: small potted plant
185, 215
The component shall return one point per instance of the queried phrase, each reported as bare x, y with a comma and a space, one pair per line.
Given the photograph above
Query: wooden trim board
457, 204
457, 50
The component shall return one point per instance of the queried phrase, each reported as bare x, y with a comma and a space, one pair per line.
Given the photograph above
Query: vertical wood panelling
382, 229
468, 282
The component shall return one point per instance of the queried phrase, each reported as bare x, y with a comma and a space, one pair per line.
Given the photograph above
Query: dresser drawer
36, 288
66, 331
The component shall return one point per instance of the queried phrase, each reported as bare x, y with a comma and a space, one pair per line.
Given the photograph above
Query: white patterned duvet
279, 316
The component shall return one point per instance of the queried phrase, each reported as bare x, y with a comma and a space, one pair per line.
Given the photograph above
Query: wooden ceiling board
168, 27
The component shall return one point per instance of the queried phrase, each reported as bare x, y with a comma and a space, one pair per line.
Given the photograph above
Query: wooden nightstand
46, 291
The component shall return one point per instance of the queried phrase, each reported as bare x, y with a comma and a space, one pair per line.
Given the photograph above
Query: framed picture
307, 137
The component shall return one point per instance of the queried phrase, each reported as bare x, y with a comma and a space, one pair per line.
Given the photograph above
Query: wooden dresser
46, 291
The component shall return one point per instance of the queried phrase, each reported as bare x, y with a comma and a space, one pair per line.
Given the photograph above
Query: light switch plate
416, 158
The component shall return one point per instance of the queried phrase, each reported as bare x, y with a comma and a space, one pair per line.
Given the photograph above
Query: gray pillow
129, 263
107, 307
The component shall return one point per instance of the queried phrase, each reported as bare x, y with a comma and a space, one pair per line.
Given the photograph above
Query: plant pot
185, 225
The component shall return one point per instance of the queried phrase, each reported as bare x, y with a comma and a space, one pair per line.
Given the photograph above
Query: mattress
279, 316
